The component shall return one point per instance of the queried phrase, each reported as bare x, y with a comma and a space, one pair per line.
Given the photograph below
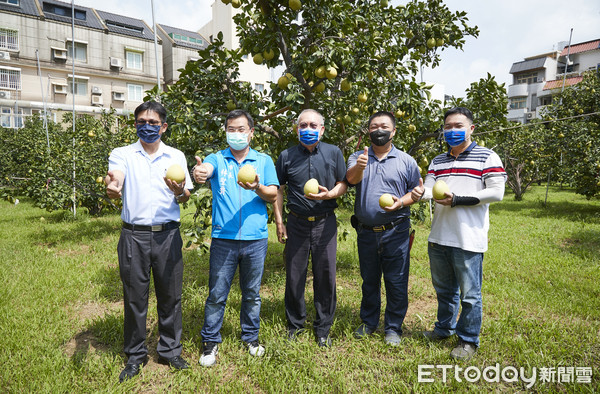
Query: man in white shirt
458, 237
150, 238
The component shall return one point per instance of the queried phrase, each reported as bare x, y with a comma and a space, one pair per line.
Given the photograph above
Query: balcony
516, 114
519, 90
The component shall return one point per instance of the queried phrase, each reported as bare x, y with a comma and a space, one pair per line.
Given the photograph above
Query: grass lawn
61, 312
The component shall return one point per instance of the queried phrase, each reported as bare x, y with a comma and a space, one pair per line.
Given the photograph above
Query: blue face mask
237, 141
455, 137
148, 133
308, 136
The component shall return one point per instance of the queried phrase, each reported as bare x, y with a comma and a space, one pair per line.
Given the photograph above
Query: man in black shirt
311, 227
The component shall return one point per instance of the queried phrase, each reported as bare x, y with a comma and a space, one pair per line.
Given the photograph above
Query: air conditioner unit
116, 62
60, 89
118, 96
96, 100
530, 115
59, 53
4, 55
4, 95
96, 90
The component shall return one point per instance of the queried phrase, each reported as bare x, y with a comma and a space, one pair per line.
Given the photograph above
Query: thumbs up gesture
363, 159
418, 191
199, 172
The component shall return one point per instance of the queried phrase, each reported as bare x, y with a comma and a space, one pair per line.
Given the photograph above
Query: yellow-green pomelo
247, 174
175, 173
386, 200
440, 189
311, 186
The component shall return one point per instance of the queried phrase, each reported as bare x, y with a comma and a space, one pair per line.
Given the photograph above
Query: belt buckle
378, 229
157, 227
311, 218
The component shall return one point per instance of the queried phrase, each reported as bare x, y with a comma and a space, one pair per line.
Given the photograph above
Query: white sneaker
209, 355
255, 349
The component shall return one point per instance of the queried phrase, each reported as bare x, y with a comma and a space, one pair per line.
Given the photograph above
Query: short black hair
383, 113
237, 113
459, 110
154, 107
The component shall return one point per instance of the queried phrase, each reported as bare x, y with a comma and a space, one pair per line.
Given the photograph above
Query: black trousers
319, 240
139, 253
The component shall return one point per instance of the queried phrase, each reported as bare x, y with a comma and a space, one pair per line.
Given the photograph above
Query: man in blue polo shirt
150, 238
239, 232
311, 225
383, 233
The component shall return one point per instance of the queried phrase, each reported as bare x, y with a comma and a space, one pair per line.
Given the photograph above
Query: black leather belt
154, 229
381, 228
311, 218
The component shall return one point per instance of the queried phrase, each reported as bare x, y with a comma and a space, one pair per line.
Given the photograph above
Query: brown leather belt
155, 228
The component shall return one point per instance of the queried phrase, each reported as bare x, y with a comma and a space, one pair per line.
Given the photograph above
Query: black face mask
380, 137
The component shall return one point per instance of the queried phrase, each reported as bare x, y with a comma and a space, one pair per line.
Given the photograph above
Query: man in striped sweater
458, 237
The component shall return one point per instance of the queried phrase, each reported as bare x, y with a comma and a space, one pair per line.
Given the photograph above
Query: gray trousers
139, 253
319, 241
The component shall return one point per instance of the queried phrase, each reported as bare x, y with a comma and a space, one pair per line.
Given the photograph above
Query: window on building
518, 102
11, 2
80, 51
135, 92
10, 78
259, 87
181, 37
63, 11
10, 119
134, 60
125, 26
527, 78
81, 86
9, 39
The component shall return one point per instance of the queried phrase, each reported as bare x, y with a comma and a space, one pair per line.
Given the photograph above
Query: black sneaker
255, 348
209, 355
463, 351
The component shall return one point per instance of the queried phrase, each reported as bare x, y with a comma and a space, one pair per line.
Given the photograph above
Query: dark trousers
139, 253
386, 253
319, 240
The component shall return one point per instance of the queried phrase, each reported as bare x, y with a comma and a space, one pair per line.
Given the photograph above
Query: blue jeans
384, 253
225, 256
456, 275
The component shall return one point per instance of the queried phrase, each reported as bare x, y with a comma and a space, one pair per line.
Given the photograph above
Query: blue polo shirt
396, 174
238, 213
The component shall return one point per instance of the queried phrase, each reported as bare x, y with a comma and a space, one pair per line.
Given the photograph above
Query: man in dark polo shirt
311, 227
383, 233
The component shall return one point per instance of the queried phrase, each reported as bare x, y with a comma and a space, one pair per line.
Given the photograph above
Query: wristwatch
177, 197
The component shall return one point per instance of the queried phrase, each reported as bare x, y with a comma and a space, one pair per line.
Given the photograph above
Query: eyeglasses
236, 129
141, 122
305, 125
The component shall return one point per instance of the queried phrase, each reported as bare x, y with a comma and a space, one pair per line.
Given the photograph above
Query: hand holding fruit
248, 178
323, 194
389, 202
175, 179
441, 193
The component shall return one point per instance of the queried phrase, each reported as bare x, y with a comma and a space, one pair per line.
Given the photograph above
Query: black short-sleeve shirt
296, 165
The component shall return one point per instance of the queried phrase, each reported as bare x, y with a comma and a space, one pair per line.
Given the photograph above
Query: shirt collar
469, 149
252, 154
140, 148
392, 153
303, 148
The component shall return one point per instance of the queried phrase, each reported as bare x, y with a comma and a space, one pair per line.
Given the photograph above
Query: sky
510, 30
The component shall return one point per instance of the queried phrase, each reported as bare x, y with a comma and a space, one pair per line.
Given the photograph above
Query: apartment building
114, 60
260, 76
538, 78
179, 47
